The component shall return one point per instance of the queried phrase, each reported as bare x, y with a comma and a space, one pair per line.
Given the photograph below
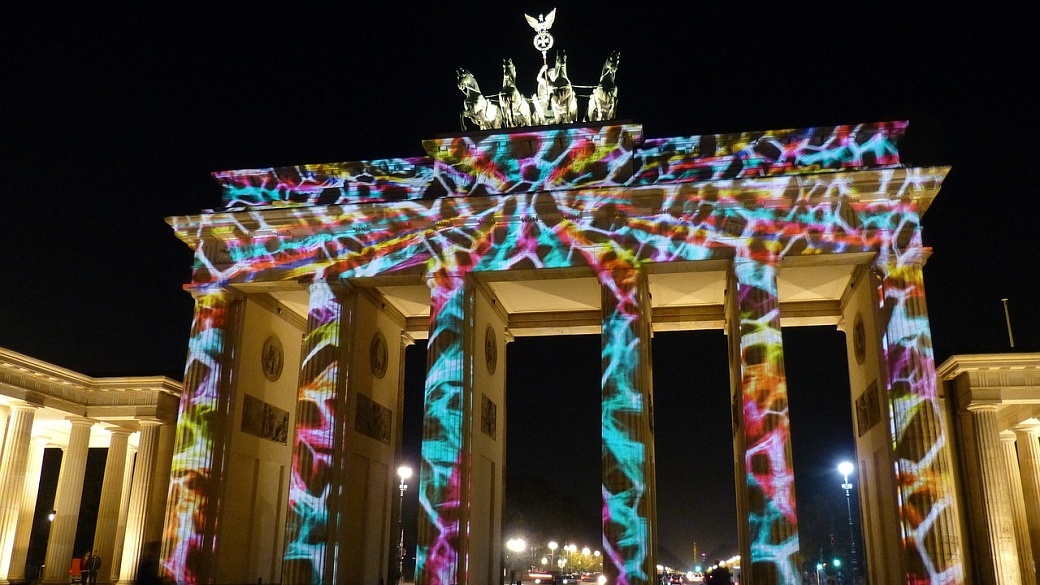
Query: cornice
39, 382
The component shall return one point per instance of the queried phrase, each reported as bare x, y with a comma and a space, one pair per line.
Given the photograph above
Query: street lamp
845, 469
51, 515
515, 546
404, 472
552, 551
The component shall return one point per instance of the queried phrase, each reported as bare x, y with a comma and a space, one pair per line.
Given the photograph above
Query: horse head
508, 73
603, 101
610, 67
559, 70
467, 83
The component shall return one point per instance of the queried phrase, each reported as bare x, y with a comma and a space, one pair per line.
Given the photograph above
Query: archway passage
573, 228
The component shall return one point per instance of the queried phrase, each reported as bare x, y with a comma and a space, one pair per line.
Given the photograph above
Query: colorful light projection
766, 424
625, 420
189, 541
437, 560
792, 192
923, 466
320, 427
565, 159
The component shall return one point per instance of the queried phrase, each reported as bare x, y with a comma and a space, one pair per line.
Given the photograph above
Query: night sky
114, 118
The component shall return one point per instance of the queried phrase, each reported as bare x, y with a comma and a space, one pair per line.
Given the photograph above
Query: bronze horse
482, 112
562, 99
515, 109
603, 101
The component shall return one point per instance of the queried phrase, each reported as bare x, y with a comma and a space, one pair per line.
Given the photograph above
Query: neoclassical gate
465, 247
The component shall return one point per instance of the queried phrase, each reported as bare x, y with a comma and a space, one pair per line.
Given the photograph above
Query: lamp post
404, 472
552, 553
515, 546
845, 469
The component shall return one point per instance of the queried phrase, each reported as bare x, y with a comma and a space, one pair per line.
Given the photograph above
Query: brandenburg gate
310, 281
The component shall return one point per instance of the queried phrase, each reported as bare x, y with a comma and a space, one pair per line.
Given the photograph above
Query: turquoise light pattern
320, 428
625, 413
438, 561
597, 198
766, 425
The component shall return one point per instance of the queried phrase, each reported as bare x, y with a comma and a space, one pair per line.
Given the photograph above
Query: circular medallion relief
859, 339
272, 358
377, 355
491, 349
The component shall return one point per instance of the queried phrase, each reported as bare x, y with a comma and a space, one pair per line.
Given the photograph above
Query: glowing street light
846, 468
404, 472
552, 550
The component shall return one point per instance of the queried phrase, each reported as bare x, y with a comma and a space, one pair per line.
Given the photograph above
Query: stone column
28, 513
189, 546
627, 428
5, 415
13, 469
67, 504
920, 442
996, 548
161, 486
444, 468
1029, 470
111, 492
124, 506
140, 492
1018, 509
763, 423
314, 518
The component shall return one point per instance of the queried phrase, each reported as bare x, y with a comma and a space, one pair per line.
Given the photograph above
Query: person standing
93, 568
84, 568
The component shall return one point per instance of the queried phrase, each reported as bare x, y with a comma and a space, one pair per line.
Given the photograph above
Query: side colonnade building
44, 406
312, 280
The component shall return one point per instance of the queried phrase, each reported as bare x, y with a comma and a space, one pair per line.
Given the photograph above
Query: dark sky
113, 118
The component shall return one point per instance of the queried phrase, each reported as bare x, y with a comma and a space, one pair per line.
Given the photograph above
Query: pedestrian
94, 567
84, 568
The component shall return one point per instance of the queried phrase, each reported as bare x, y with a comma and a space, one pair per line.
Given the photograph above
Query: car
569, 579
675, 579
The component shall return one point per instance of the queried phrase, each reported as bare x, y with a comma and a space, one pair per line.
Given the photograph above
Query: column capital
23, 406
119, 430
148, 421
1008, 437
210, 288
76, 421
915, 256
982, 406
1030, 426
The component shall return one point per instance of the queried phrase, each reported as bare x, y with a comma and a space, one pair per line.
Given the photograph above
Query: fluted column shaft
5, 414
1018, 508
67, 504
140, 492
204, 427
932, 549
161, 487
995, 541
25, 518
1029, 470
124, 506
13, 470
761, 403
626, 410
111, 491
314, 519
443, 474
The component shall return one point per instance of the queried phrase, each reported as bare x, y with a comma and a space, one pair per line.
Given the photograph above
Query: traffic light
837, 562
